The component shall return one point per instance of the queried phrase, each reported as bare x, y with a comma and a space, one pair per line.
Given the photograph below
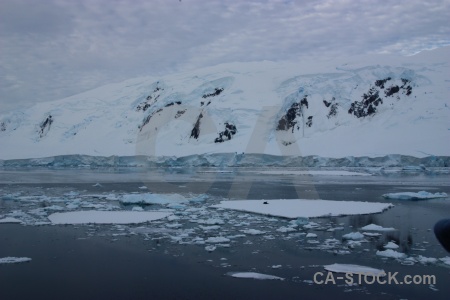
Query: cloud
55, 48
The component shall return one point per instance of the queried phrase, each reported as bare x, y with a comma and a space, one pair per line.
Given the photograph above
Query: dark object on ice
442, 232
265, 202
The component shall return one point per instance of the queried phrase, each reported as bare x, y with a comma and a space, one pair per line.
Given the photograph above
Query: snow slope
365, 106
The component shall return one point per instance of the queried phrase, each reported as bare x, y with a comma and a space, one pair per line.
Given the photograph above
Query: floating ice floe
353, 236
210, 248
391, 254
426, 260
253, 231
107, 217
313, 173
217, 239
355, 269
10, 220
254, 275
149, 198
304, 208
422, 195
390, 245
372, 234
374, 227
311, 235
445, 260
13, 260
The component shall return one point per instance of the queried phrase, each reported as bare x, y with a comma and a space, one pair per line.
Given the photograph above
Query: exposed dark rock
304, 102
179, 113
333, 107
380, 83
150, 100
227, 134
289, 121
45, 126
309, 122
196, 130
365, 107
173, 103
392, 90
2, 126
407, 89
216, 92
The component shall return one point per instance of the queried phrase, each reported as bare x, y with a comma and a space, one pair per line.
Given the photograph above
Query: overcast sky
50, 49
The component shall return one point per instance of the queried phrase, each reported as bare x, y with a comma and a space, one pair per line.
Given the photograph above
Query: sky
51, 49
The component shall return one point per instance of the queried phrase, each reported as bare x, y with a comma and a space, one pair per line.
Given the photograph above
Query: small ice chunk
176, 206
422, 195
276, 266
254, 275
311, 235
173, 218
391, 254
311, 225
13, 260
302, 221
10, 220
143, 187
445, 260
97, 184
374, 227
210, 248
355, 269
426, 260
199, 198
137, 208
391, 245
286, 229
174, 225
211, 221
372, 234
353, 236
253, 231
217, 239
213, 227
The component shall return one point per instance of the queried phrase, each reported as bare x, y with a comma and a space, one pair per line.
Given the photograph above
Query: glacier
376, 110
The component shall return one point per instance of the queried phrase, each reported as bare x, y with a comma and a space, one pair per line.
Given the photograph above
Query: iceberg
422, 195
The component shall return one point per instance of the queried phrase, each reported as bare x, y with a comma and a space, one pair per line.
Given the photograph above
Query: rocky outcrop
45, 125
227, 134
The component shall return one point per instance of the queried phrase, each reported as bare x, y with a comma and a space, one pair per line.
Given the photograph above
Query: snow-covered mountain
364, 106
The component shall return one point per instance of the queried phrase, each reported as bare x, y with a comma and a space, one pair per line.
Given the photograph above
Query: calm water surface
154, 261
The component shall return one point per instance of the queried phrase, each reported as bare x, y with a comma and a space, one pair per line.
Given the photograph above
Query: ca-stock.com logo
160, 126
